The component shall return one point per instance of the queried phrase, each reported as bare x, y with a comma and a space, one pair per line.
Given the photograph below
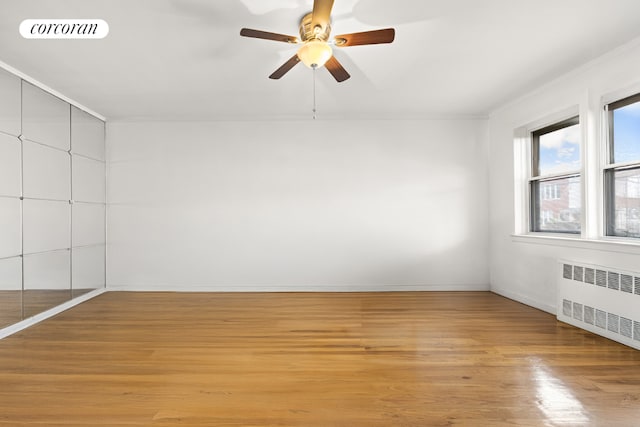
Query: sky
626, 133
560, 151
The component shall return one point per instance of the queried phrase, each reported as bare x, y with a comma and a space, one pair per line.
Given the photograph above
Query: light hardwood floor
327, 359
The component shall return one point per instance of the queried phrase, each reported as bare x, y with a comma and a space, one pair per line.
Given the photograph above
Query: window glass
622, 174
555, 188
559, 151
626, 133
625, 215
557, 205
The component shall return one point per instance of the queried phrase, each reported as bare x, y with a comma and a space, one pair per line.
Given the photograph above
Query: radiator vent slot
626, 327
589, 315
626, 283
602, 300
601, 278
601, 319
613, 322
590, 276
577, 311
578, 273
566, 308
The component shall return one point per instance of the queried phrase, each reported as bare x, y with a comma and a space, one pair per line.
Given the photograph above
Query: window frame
534, 178
610, 167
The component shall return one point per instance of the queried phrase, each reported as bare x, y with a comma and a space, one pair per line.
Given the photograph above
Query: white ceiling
184, 59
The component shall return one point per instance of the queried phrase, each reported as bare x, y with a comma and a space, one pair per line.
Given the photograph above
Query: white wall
302, 205
525, 268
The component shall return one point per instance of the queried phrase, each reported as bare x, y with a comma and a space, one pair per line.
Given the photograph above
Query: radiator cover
602, 300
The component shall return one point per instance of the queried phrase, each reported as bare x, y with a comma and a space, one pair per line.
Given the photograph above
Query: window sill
609, 244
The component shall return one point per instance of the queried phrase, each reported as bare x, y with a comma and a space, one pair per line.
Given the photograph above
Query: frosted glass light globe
315, 53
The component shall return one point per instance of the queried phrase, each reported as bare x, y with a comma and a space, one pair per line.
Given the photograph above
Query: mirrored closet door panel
10, 262
10, 228
88, 224
10, 203
46, 210
52, 200
88, 253
47, 260
87, 135
10, 166
89, 209
47, 225
88, 269
46, 172
45, 118
47, 281
10, 103
10, 291
88, 180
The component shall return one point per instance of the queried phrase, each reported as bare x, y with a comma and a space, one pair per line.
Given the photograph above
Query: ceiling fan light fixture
316, 50
315, 53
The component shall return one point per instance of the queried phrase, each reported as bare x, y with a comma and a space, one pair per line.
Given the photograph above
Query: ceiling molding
52, 91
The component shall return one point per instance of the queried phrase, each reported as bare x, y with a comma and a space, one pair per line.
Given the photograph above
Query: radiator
602, 300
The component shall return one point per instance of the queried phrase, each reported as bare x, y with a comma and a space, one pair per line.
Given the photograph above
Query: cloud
566, 152
555, 140
562, 167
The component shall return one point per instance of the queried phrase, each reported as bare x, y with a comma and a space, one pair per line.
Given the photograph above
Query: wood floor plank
313, 359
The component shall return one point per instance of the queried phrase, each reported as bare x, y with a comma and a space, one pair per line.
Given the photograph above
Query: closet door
10, 104
46, 207
52, 201
10, 203
47, 281
88, 194
45, 118
10, 291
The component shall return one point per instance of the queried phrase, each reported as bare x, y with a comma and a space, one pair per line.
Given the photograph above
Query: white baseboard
296, 288
551, 309
17, 327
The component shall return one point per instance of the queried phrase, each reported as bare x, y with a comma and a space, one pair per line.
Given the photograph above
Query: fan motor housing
307, 32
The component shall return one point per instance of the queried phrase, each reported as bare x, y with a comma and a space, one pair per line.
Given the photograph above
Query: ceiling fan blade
285, 67
321, 14
257, 34
367, 37
336, 69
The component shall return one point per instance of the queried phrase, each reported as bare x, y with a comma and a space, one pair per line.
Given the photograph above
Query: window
551, 192
622, 172
555, 189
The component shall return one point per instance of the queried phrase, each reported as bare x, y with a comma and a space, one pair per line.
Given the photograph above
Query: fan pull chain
314, 93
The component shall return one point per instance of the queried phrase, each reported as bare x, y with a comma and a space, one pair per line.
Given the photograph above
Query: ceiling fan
315, 28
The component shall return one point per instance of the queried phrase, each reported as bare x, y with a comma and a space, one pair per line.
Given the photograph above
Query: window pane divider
555, 176
622, 166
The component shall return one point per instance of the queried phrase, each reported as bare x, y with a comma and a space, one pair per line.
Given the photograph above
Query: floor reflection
10, 308
19, 305
555, 399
